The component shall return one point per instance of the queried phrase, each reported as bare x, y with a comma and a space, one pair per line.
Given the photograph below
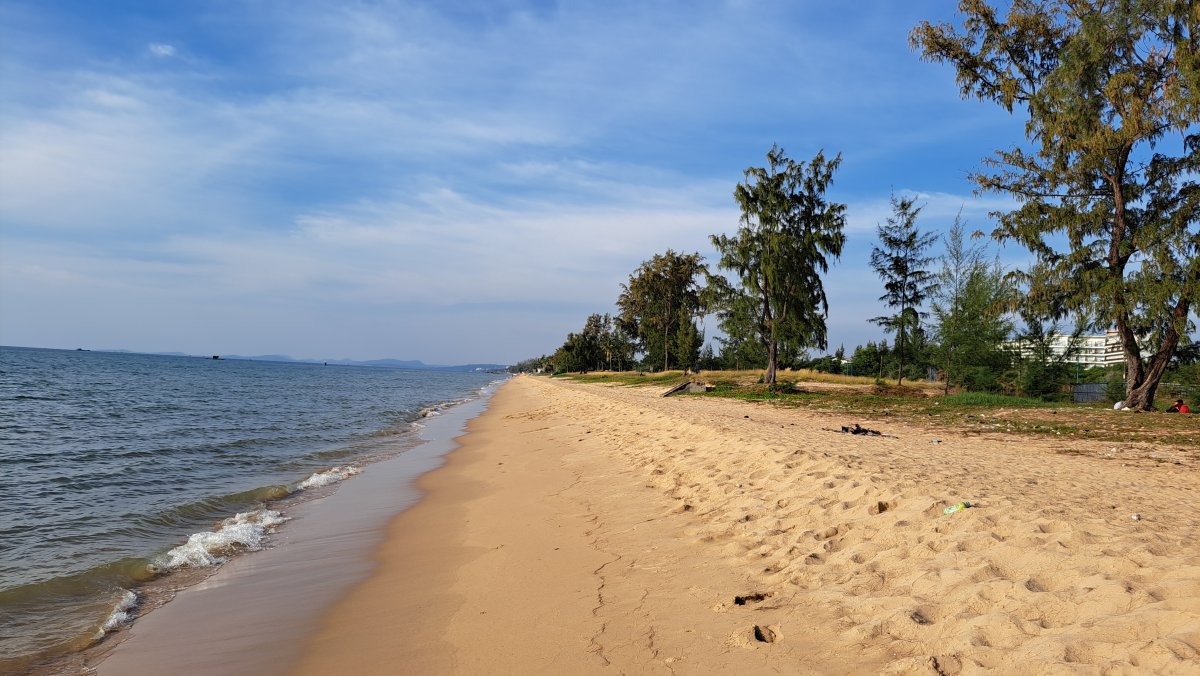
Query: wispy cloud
161, 49
443, 160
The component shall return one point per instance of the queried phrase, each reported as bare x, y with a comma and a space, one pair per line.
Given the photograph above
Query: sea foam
327, 477
244, 531
120, 613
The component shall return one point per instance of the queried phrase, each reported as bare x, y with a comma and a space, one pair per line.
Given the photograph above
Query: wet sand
599, 529
250, 616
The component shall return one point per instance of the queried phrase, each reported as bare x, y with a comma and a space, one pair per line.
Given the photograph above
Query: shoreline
219, 624
533, 552
581, 528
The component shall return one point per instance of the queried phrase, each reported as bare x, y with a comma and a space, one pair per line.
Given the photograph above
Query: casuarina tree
659, 305
899, 261
789, 231
969, 309
1106, 186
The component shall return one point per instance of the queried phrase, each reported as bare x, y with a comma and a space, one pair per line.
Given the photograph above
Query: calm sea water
119, 470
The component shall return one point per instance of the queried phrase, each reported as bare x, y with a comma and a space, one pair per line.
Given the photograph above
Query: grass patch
987, 400
923, 404
633, 378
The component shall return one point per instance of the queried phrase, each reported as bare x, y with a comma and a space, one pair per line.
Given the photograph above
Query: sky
459, 181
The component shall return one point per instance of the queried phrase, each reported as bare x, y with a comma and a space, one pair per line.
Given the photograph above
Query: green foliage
532, 365
968, 308
991, 400
577, 354
1115, 387
899, 261
737, 315
616, 346
601, 345
1041, 370
1107, 186
788, 232
659, 306
708, 361
634, 378
830, 363
872, 360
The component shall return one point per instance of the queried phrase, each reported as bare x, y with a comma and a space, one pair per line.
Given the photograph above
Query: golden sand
600, 529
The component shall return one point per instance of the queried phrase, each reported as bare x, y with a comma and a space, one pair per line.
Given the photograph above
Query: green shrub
1114, 390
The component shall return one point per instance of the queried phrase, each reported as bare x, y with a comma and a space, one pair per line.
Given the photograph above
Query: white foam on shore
327, 477
435, 410
243, 531
120, 613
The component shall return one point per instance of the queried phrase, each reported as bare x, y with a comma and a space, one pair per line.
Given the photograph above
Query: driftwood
689, 387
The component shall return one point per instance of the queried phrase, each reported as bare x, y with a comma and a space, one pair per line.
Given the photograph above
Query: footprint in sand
767, 633
880, 507
830, 532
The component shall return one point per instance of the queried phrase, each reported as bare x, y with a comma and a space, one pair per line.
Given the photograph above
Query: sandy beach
585, 528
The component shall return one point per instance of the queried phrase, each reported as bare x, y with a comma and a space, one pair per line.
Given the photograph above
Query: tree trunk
946, 375
772, 343
772, 349
667, 339
1141, 384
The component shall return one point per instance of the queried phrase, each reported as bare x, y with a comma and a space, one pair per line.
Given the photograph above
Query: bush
1114, 390
980, 379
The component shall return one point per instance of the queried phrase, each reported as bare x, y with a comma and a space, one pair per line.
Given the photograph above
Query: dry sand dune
614, 531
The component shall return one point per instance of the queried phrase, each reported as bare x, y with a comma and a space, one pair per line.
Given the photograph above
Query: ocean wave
433, 410
327, 477
245, 531
215, 506
120, 613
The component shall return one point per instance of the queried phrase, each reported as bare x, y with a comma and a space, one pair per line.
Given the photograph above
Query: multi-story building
1095, 350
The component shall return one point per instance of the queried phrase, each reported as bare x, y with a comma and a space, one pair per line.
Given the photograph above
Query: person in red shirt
1179, 407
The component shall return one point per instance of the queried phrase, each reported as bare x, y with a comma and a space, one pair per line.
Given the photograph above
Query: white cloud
938, 211
355, 157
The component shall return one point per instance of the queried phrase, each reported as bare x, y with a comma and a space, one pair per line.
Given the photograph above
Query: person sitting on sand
1179, 407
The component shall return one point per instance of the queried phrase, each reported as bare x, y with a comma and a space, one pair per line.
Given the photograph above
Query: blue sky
445, 181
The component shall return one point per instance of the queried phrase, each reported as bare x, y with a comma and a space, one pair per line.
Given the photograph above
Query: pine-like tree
969, 314
899, 260
659, 306
789, 230
1107, 186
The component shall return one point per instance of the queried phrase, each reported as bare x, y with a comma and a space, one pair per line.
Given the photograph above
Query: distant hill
379, 363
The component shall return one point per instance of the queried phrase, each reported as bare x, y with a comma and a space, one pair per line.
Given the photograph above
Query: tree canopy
659, 305
789, 230
899, 261
968, 307
1106, 187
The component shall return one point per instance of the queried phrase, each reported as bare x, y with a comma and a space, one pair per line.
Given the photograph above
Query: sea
125, 477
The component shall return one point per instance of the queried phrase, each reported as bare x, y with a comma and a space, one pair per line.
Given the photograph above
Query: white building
1094, 350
